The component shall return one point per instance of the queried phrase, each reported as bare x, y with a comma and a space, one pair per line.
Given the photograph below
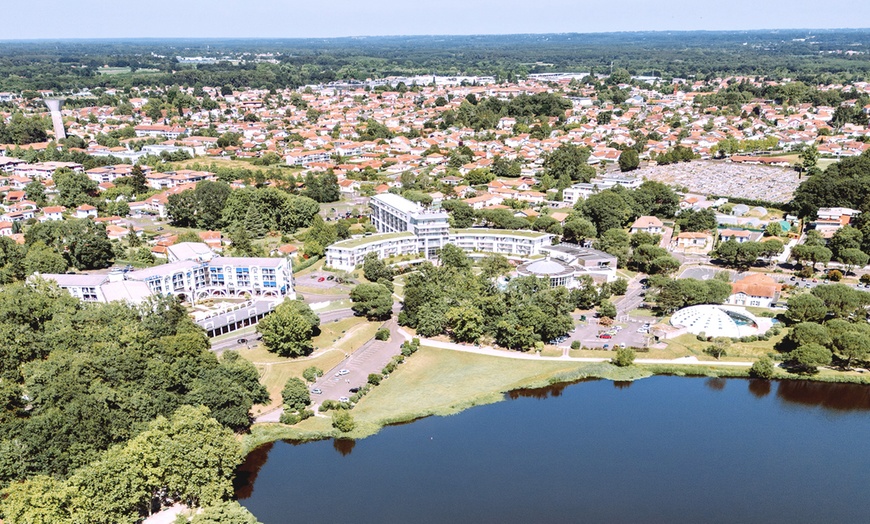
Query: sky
335, 18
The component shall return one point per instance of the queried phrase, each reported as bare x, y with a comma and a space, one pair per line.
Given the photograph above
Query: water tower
56, 119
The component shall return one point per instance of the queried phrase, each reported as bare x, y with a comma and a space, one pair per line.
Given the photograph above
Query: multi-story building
191, 279
405, 228
394, 214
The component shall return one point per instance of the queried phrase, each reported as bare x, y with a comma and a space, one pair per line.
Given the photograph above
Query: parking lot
588, 333
319, 279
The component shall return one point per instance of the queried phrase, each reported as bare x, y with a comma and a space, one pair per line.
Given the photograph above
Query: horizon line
420, 35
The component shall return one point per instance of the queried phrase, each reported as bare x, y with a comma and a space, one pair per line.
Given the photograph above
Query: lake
662, 449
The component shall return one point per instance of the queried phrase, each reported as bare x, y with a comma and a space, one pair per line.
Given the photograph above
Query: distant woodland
809, 56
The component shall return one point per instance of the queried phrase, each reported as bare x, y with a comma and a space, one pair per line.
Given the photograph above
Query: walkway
492, 352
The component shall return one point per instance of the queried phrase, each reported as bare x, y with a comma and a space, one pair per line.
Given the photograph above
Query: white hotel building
189, 279
406, 228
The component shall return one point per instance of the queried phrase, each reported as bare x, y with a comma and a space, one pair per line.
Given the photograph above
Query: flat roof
246, 261
162, 270
398, 202
351, 243
501, 232
64, 280
230, 317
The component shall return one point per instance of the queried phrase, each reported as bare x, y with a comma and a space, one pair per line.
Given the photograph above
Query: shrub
624, 357
374, 379
865, 278
389, 368
835, 275
575, 344
289, 418
382, 334
311, 373
343, 421
762, 368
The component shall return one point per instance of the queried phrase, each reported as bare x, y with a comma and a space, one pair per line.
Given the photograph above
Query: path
489, 351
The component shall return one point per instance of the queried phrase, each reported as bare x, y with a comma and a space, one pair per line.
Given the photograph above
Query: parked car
354, 389
343, 399
642, 330
606, 346
330, 277
342, 372
317, 391
605, 335
321, 279
242, 341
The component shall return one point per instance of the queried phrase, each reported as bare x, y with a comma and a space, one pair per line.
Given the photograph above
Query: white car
343, 399
642, 330
342, 372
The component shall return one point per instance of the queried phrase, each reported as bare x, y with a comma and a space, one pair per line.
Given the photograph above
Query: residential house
647, 224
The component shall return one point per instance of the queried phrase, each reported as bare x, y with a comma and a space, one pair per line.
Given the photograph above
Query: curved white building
559, 273
715, 320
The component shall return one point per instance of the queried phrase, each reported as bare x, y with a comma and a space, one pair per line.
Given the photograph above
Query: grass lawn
443, 382
275, 374
690, 345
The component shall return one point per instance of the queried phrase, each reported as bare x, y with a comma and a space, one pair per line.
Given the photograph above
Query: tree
806, 307
624, 357
606, 309
739, 255
287, 332
809, 158
851, 346
841, 300
465, 324
374, 269
230, 512
461, 214
494, 265
343, 421
311, 373
374, 301
35, 191
642, 238
619, 286
138, 181
628, 160
295, 394
571, 160
846, 237
719, 347
615, 242
763, 368
655, 198
181, 208
809, 357
578, 229
607, 210
853, 258
455, 257
73, 188
694, 221
773, 229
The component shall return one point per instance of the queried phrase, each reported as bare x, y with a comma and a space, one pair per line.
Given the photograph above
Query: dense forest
71, 64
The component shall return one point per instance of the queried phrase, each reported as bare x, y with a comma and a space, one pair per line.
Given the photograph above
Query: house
86, 211
757, 290
693, 242
52, 213
738, 235
843, 215
647, 224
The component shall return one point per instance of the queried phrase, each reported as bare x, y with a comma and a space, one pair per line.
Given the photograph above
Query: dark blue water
663, 449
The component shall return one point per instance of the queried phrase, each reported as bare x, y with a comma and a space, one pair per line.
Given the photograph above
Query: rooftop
379, 237
499, 232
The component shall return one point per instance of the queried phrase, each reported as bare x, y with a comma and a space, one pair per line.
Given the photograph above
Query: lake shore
442, 382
